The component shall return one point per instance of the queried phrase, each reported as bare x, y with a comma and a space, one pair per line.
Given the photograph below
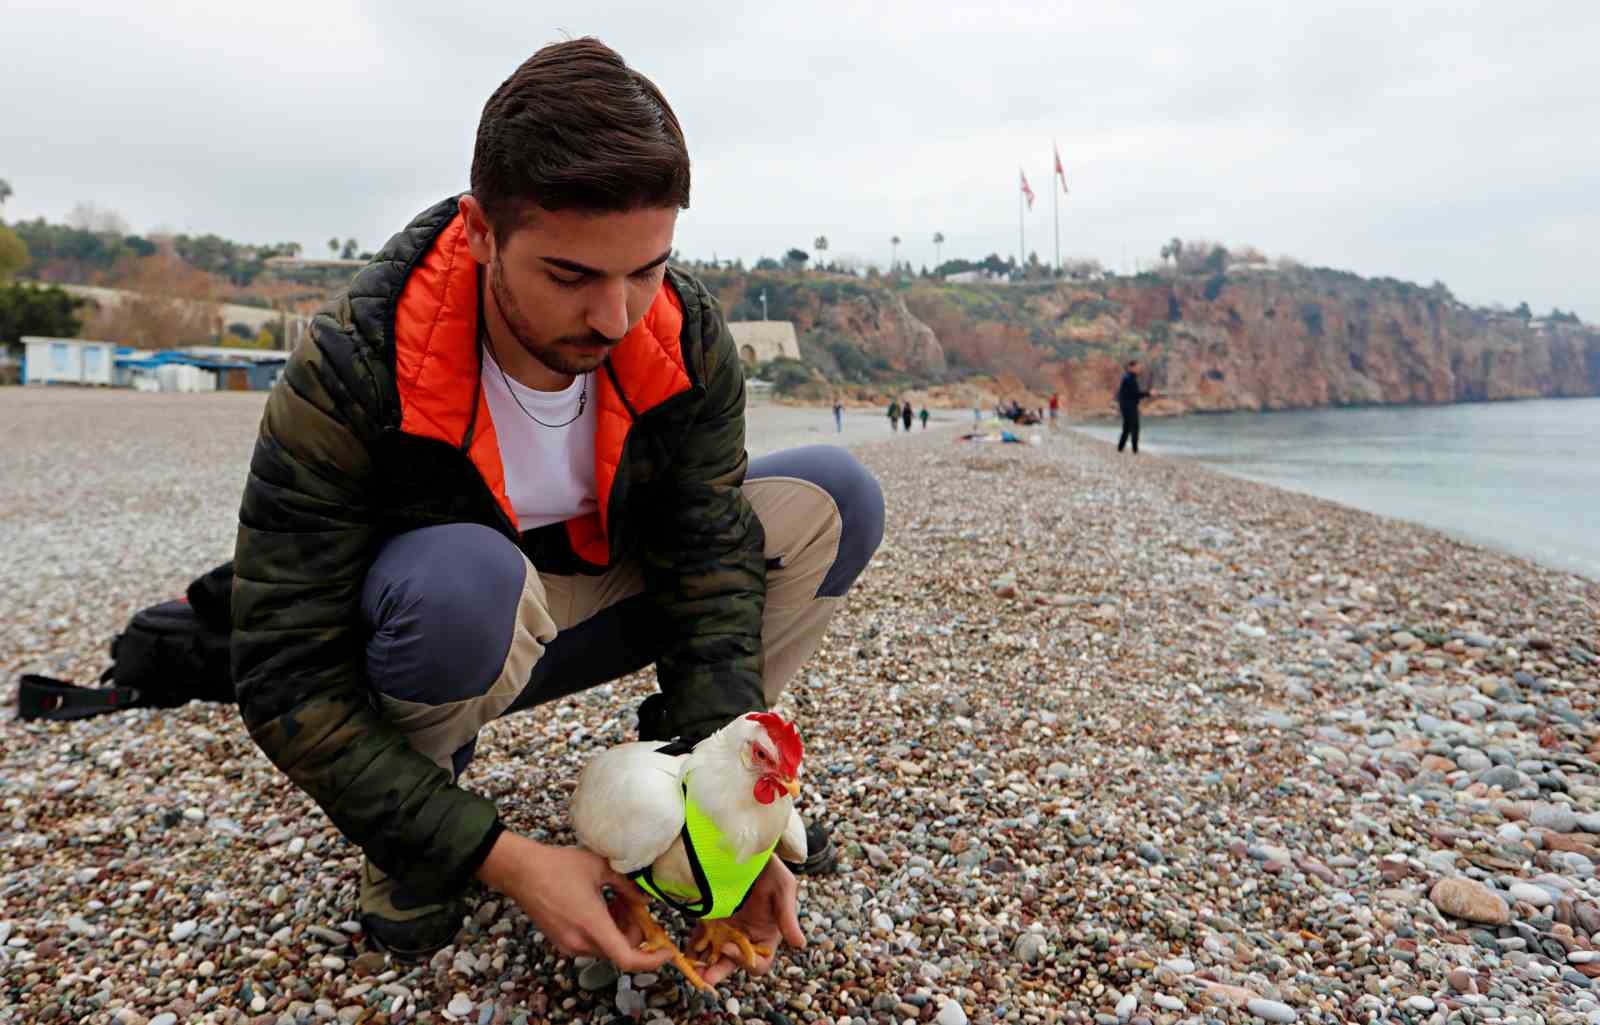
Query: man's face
570, 285
1134, 368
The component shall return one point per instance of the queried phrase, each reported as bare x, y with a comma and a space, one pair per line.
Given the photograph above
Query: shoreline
1092, 734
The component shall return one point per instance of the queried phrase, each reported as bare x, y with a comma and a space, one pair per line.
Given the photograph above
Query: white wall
69, 361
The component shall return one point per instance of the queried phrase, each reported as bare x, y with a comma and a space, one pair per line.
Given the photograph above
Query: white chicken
695, 827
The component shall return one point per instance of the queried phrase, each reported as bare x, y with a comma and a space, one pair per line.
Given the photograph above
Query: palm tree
333, 247
938, 242
5, 191
894, 254
820, 244
1173, 249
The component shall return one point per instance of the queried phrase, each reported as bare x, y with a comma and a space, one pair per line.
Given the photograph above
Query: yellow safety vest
721, 880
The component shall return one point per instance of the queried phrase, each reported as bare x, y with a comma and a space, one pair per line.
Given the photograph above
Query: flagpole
1055, 212
1022, 247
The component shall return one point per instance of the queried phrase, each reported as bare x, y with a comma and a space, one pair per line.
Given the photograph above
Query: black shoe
821, 858
652, 712
407, 930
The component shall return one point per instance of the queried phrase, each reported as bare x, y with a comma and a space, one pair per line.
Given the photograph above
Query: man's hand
768, 918
560, 889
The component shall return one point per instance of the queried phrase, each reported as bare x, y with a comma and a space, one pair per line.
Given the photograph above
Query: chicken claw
718, 931
655, 938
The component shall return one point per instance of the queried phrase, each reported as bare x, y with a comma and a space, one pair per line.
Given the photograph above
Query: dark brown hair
575, 128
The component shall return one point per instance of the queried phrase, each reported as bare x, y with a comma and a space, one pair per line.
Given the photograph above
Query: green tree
820, 243
13, 253
795, 259
894, 254
333, 247
46, 311
350, 249
938, 247
5, 191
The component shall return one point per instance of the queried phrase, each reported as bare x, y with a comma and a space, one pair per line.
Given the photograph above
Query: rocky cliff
1259, 340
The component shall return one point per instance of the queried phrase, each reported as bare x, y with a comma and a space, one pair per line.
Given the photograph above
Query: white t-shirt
549, 470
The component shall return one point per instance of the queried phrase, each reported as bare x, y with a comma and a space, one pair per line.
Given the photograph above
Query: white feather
628, 807
792, 846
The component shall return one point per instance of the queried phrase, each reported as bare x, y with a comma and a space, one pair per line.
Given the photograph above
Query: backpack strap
41, 697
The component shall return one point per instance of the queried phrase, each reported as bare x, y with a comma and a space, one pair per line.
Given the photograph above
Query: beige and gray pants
464, 629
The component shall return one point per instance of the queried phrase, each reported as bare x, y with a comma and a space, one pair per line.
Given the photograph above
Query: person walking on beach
838, 416
1129, 395
894, 414
905, 414
1055, 409
510, 465
924, 416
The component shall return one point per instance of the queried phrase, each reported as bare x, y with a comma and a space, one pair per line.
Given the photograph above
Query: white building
68, 361
762, 340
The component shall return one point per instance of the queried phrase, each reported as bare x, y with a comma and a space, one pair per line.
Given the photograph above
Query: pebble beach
1101, 739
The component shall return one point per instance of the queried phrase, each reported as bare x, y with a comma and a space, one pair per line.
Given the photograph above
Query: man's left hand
769, 918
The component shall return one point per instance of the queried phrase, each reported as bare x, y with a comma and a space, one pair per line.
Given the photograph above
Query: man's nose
608, 308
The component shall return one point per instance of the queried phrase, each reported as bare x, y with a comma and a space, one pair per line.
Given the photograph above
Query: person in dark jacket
509, 464
906, 414
1129, 395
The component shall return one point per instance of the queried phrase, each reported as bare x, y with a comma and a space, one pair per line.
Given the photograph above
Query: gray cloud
1423, 140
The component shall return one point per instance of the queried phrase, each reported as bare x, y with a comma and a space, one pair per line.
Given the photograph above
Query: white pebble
1272, 1010
460, 1005
1126, 1006
183, 930
1419, 1003
951, 1014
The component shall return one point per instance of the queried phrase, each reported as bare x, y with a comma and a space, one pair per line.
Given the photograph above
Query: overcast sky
1454, 141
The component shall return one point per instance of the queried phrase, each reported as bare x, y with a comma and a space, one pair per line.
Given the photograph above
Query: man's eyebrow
578, 268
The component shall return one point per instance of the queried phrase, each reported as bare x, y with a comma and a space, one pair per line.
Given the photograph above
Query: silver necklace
583, 395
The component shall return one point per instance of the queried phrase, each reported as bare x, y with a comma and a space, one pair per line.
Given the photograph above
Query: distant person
924, 416
1129, 395
1055, 409
905, 414
894, 414
977, 415
838, 417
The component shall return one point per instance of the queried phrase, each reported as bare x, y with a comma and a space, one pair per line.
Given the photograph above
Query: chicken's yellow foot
716, 932
655, 938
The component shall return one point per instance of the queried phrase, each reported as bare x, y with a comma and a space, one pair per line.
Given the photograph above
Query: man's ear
480, 234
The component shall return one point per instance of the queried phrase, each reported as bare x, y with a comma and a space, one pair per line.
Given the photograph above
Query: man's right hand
560, 889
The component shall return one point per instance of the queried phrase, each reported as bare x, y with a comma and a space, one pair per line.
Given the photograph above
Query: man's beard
569, 354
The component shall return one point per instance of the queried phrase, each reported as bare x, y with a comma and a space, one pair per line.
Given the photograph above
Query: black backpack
169, 654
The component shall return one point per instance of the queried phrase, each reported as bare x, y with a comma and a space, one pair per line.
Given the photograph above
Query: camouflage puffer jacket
378, 426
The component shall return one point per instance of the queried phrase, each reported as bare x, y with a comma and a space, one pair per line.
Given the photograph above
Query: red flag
1025, 190
1061, 172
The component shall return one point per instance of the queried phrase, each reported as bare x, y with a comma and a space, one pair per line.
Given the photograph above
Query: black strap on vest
707, 901
41, 697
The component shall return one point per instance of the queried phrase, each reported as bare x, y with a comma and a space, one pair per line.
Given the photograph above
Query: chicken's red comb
785, 736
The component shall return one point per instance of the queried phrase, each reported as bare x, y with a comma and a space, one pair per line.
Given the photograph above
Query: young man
509, 465
1129, 395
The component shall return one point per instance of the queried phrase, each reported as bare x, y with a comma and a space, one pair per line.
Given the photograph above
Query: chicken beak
793, 786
